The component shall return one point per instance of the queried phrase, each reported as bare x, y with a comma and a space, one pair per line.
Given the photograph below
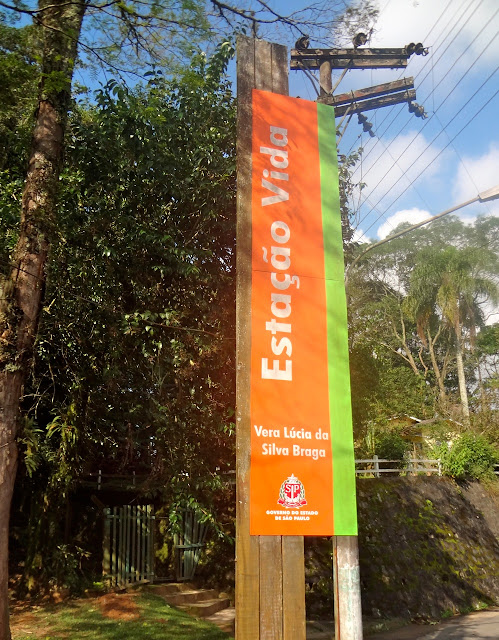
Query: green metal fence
188, 545
128, 547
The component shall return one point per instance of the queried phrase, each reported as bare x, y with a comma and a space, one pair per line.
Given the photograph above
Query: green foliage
412, 303
488, 340
391, 446
451, 282
471, 456
62, 568
347, 187
29, 445
400, 392
134, 366
143, 272
18, 79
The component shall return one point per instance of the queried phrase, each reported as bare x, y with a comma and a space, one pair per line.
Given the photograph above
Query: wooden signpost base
270, 573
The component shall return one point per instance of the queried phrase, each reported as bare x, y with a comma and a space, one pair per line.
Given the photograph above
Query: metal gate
188, 543
128, 548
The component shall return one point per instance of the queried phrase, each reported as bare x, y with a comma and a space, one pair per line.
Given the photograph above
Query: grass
145, 617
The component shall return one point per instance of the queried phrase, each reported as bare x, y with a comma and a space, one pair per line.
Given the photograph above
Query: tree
486, 418
21, 293
396, 319
387, 376
18, 77
138, 28
452, 284
134, 361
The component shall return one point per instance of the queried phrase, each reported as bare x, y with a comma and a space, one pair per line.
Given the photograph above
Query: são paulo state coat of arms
292, 493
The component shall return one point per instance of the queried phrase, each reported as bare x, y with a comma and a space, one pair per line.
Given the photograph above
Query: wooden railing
375, 467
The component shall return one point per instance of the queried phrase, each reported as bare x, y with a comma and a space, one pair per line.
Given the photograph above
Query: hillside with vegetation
429, 548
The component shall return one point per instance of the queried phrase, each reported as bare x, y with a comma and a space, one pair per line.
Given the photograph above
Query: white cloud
446, 32
412, 216
477, 174
393, 165
358, 236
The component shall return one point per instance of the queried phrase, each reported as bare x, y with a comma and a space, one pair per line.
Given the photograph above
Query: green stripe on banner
340, 407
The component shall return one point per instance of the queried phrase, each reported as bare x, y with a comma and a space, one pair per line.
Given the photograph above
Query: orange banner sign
293, 312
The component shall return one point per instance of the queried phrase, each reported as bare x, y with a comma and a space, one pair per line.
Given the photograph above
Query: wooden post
270, 574
325, 79
128, 523
133, 561
151, 544
347, 600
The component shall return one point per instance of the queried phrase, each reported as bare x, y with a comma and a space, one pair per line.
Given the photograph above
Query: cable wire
431, 59
457, 84
435, 112
435, 158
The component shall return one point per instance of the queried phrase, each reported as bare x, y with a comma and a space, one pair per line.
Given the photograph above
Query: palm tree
449, 287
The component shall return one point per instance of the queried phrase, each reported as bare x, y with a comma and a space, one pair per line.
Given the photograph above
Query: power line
448, 95
462, 162
442, 130
373, 207
427, 147
399, 112
434, 115
437, 156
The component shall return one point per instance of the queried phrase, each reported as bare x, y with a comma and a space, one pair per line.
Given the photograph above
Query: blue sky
416, 168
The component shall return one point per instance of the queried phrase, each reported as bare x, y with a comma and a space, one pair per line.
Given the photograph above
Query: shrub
471, 456
391, 446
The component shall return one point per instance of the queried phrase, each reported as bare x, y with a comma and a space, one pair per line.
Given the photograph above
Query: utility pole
346, 573
390, 93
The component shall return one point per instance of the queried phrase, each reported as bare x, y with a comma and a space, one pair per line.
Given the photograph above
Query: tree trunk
436, 370
21, 295
8, 468
461, 376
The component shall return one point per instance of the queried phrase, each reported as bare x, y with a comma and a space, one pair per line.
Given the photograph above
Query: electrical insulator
366, 126
416, 48
359, 40
302, 43
417, 110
